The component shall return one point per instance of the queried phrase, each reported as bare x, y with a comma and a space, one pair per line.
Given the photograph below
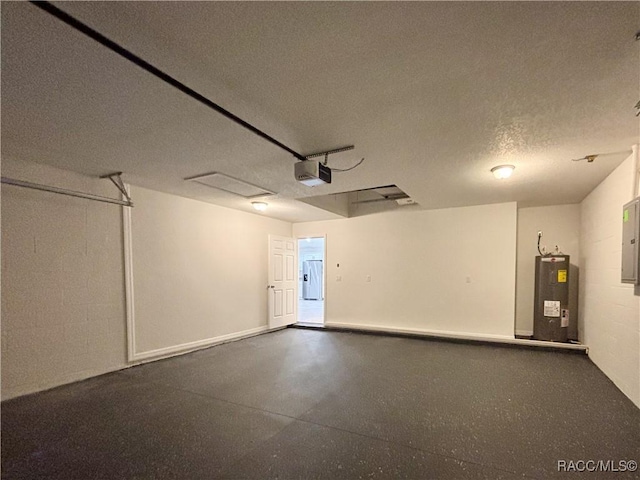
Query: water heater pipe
636, 170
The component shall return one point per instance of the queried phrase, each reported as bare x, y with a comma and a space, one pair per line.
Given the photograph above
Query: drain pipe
636, 170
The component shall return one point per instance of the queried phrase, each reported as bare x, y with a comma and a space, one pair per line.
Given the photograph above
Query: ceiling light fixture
260, 206
502, 171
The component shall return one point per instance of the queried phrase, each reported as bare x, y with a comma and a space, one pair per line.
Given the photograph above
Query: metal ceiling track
326, 153
123, 52
114, 177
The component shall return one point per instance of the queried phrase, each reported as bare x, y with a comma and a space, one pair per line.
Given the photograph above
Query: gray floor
312, 404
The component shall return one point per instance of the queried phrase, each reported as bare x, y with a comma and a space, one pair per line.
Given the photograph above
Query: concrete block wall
609, 310
63, 311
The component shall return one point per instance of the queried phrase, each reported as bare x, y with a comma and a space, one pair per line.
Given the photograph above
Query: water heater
551, 301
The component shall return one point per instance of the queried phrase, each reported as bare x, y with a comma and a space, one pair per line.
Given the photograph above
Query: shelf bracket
116, 179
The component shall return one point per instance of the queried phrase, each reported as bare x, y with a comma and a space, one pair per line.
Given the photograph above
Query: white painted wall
609, 309
419, 262
200, 274
560, 225
199, 270
63, 312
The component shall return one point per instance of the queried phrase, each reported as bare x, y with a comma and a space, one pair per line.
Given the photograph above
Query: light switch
368, 278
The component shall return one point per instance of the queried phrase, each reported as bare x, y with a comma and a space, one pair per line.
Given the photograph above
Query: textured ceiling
433, 94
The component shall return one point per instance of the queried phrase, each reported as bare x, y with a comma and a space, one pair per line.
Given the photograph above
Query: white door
283, 281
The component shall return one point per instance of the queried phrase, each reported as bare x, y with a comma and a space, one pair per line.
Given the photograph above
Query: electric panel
630, 239
551, 314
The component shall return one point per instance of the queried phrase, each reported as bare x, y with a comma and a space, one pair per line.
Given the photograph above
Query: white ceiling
433, 94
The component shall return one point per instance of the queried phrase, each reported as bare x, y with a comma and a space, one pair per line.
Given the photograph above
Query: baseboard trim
422, 332
524, 333
197, 345
451, 336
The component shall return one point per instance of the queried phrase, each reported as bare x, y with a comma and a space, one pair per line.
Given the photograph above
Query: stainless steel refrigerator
312, 280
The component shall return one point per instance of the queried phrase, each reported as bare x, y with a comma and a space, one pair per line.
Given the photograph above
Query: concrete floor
304, 404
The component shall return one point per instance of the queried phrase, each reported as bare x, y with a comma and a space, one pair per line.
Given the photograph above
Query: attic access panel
378, 194
228, 184
365, 201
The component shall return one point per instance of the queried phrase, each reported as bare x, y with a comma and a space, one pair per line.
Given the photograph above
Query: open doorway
311, 267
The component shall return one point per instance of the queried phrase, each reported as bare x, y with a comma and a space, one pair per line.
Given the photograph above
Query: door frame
324, 273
